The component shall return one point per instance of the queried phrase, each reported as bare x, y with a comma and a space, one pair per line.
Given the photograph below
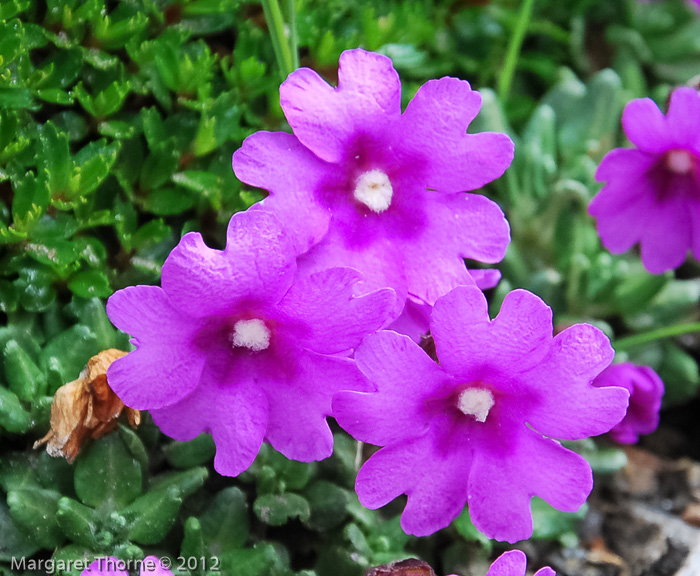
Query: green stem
292, 18
661, 333
280, 43
514, 46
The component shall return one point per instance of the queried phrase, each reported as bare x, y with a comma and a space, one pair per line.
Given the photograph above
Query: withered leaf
410, 567
85, 408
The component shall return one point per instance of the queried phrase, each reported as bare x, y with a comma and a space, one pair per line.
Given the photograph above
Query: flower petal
466, 339
668, 236
562, 386
279, 163
458, 226
434, 125
331, 319
379, 261
229, 406
328, 120
511, 563
298, 408
501, 484
404, 376
258, 264
167, 364
646, 126
684, 118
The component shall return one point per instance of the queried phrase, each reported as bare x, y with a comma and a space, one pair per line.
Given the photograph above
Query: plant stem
280, 42
292, 19
514, 46
660, 334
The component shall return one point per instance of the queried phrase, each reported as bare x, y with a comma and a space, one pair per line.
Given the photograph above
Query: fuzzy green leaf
278, 509
107, 475
152, 515
35, 511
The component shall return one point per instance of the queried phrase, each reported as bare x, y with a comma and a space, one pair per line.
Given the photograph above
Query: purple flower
514, 563
233, 345
645, 388
652, 195
377, 190
475, 428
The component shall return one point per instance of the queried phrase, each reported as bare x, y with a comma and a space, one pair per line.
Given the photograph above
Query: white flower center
679, 161
476, 402
374, 190
251, 334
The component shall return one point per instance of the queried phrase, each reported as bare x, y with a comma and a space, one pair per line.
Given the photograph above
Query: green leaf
278, 509
185, 483
225, 524
54, 159
14, 542
91, 313
13, 417
189, 454
69, 352
25, 378
551, 524
92, 165
193, 541
107, 475
679, 372
168, 201
152, 515
77, 522
328, 504
259, 561
89, 284
35, 511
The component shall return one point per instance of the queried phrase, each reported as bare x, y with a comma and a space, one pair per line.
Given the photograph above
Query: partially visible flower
646, 390
477, 427
514, 563
366, 186
414, 320
110, 566
652, 192
233, 345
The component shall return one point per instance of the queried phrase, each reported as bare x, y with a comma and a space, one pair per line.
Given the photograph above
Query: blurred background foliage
118, 120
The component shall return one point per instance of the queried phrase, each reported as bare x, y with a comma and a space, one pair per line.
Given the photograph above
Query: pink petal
393, 471
485, 278
298, 408
379, 261
229, 406
258, 264
668, 237
405, 377
327, 120
576, 356
684, 118
501, 484
466, 339
458, 226
434, 125
279, 163
414, 320
511, 563
332, 318
646, 126
168, 363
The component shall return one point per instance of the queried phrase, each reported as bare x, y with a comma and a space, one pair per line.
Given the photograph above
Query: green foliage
117, 125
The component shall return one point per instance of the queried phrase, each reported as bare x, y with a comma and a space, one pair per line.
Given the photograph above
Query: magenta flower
514, 563
652, 194
645, 388
110, 566
475, 428
233, 345
377, 190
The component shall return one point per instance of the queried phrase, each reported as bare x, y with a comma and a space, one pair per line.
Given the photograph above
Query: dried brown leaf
85, 408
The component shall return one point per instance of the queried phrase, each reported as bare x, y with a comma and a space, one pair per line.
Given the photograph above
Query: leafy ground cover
118, 121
